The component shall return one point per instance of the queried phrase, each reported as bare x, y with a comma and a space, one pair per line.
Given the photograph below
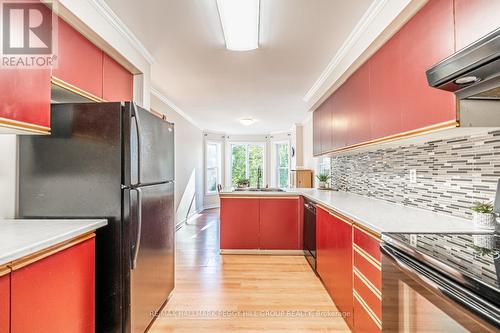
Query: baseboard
183, 222
264, 252
212, 206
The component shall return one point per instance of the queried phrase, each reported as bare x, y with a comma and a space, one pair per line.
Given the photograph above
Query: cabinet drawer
368, 242
368, 293
367, 268
364, 322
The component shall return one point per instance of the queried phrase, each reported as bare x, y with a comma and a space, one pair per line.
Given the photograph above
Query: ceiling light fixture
240, 23
247, 121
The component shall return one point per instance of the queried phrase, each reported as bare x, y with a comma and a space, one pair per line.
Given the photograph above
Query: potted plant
243, 183
483, 216
323, 178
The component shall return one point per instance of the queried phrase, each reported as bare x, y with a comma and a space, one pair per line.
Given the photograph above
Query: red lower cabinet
239, 223
279, 224
4, 300
364, 322
334, 259
55, 293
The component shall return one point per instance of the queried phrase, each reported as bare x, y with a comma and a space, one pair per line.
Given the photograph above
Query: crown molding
174, 107
380, 21
102, 7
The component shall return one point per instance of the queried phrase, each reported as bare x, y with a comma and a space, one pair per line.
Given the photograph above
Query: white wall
310, 162
8, 148
188, 161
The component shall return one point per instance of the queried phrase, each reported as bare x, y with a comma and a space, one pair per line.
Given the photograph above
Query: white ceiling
216, 87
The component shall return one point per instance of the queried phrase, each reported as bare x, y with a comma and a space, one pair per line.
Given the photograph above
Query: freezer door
151, 246
149, 147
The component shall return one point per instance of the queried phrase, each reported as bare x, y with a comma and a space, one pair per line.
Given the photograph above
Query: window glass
282, 165
213, 166
246, 161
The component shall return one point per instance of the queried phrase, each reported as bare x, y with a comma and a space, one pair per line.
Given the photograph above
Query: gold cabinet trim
365, 306
23, 126
74, 89
367, 283
403, 135
367, 231
367, 256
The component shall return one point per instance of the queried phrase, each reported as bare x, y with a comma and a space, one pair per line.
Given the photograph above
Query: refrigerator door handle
139, 228
137, 130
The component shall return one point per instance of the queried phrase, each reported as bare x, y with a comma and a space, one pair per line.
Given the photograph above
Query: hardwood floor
242, 293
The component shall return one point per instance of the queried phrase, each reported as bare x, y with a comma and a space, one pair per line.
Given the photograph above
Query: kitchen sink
268, 189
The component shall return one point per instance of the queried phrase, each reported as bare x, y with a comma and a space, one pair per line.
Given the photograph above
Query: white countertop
24, 237
377, 215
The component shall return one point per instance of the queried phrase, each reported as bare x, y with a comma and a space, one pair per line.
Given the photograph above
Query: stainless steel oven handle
139, 228
443, 286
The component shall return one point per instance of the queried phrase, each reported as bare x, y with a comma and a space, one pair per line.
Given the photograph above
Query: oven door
416, 298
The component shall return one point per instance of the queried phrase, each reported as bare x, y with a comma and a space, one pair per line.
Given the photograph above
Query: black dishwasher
310, 232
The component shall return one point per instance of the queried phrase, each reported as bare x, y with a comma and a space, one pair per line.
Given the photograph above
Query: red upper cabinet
425, 40
56, 293
239, 223
316, 132
475, 19
340, 114
80, 63
4, 300
358, 96
386, 89
279, 224
25, 102
118, 83
25, 98
326, 126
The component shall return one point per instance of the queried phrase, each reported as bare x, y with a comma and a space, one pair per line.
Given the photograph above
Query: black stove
472, 260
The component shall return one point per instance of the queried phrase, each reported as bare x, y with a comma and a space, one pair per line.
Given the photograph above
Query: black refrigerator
113, 161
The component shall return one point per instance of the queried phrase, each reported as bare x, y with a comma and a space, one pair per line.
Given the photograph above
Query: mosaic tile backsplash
452, 174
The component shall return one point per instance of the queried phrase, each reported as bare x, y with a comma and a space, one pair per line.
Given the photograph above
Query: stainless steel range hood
473, 72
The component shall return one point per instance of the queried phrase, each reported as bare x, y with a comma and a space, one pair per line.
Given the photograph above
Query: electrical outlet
413, 176
413, 240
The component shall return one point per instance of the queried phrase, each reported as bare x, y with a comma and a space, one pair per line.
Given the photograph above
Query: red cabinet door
4, 301
334, 259
341, 117
118, 83
475, 19
326, 126
239, 223
386, 89
279, 224
323, 257
56, 293
341, 245
79, 61
25, 98
425, 40
316, 133
358, 97
25, 102
364, 322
